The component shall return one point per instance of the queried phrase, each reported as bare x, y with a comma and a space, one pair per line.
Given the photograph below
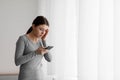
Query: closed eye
41, 29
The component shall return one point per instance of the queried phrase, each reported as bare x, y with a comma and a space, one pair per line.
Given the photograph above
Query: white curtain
96, 46
86, 36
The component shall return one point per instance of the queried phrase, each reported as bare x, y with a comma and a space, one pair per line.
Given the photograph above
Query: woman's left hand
44, 36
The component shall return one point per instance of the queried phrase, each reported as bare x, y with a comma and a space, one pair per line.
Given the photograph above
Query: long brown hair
39, 20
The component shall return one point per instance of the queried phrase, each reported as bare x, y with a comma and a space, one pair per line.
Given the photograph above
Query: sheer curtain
96, 46
85, 34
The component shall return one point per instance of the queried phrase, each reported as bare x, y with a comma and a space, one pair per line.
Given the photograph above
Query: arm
19, 57
47, 56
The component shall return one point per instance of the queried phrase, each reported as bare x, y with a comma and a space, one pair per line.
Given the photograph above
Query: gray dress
28, 59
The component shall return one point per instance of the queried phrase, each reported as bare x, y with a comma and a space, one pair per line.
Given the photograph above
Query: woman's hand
41, 50
44, 36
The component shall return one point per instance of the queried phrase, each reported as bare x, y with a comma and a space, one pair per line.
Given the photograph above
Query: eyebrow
42, 28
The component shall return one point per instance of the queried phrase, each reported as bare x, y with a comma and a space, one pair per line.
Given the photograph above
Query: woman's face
40, 30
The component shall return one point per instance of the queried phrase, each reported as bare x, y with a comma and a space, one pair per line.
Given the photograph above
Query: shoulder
21, 38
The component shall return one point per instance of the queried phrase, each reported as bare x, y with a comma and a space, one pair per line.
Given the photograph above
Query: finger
46, 32
40, 47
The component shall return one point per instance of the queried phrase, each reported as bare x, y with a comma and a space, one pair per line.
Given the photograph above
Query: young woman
30, 50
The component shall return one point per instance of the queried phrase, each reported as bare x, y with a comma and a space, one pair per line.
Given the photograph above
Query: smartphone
49, 47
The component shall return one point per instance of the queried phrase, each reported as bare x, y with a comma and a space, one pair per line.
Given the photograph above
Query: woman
30, 50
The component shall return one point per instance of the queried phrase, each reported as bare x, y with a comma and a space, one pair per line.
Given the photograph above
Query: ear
33, 26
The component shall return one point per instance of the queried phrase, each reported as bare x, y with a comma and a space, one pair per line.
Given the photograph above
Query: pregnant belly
34, 74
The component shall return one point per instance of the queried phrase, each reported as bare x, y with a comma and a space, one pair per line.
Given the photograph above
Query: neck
33, 37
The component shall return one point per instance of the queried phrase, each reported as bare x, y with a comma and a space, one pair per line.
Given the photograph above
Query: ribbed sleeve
47, 56
19, 57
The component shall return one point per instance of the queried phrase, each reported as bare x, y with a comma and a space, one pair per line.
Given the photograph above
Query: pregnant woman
30, 50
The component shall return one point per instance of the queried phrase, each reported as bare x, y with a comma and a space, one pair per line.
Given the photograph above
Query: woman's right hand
41, 50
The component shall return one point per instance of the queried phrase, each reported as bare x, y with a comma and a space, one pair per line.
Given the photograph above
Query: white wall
16, 17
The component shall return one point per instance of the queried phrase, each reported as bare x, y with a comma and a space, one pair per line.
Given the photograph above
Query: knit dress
28, 59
